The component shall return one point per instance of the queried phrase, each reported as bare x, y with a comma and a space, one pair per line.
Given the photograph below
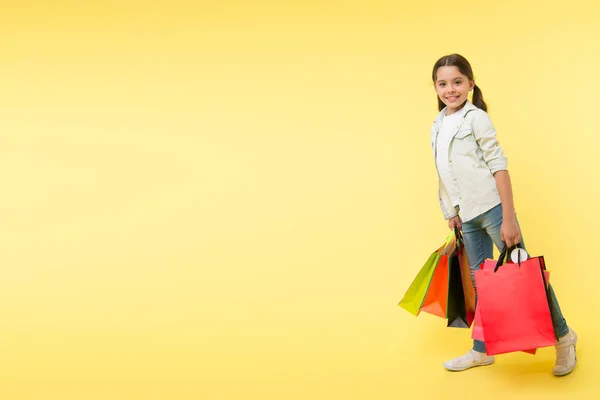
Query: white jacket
474, 156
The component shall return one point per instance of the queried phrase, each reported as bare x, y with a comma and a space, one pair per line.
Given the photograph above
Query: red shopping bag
477, 332
514, 308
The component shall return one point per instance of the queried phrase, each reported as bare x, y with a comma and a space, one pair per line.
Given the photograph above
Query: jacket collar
467, 107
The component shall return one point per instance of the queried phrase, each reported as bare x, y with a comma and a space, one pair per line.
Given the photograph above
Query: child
475, 192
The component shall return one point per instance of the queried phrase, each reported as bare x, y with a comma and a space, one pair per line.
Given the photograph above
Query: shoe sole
567, 372
481, 364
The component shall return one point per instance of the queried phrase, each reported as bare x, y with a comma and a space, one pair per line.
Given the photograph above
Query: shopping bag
457, 314
436, 299
461, 293
514, 308
414, 296
467, 285
438, 295
477, 332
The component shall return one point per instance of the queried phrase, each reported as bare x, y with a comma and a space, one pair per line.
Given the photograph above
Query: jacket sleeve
448, 209
485, 135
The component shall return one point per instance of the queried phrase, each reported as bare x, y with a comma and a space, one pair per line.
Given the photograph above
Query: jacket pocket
464, 141
463, 133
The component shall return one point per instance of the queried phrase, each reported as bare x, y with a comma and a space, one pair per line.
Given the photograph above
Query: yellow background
227, 200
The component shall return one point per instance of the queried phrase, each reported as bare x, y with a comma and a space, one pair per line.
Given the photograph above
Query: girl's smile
452, 87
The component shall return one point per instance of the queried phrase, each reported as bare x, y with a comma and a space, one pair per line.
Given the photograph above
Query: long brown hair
464, 67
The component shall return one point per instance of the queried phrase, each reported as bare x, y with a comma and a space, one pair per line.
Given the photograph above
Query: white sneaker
566, 354
471, 359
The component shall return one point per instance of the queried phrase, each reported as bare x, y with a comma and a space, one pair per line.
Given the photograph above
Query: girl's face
452, 87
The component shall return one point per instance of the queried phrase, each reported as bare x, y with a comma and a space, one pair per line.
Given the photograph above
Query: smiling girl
475, 192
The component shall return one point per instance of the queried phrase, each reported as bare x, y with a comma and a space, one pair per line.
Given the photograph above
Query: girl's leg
558, 320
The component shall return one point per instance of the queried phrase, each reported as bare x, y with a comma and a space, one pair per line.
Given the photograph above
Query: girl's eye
442, 84
458, 82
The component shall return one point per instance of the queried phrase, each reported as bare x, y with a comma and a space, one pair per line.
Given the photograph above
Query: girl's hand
455, 222
509, 232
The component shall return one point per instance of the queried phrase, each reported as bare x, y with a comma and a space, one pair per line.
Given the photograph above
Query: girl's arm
509, 231
485, 134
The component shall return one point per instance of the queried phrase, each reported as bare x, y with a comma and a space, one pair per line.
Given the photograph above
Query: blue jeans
480, 235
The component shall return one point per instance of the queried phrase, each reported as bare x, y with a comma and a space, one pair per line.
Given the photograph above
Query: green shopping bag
414, 296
